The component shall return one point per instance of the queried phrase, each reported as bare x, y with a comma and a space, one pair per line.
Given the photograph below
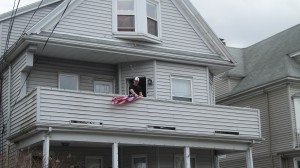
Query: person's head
136, 81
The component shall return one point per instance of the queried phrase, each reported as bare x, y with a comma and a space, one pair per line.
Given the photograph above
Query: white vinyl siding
95, 20
20, 23
164, 72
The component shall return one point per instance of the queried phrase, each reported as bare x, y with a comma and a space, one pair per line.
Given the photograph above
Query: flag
124, 99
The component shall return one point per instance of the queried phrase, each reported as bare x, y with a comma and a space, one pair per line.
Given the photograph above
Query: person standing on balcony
134, 89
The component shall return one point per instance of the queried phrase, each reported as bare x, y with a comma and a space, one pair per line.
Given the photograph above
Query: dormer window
137, 20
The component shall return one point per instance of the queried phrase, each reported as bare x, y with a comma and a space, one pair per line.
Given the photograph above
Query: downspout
269, 126
9, 114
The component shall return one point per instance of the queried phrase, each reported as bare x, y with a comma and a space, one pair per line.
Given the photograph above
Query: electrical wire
11, 25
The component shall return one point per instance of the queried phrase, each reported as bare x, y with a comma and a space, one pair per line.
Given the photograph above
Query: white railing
61, 107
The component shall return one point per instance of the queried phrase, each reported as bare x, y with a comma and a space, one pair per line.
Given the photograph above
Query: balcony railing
69, 108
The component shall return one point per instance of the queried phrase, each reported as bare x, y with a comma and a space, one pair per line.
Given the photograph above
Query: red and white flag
124, 99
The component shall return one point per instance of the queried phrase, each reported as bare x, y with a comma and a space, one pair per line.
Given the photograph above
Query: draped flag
124, 99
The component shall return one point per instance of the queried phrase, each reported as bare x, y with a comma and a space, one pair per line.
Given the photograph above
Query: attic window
137, 20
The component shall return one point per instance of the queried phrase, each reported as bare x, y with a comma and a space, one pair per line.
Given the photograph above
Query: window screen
182, 89
67, 81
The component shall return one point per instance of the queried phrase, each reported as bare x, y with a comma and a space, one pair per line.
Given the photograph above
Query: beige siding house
60, 73
267, 78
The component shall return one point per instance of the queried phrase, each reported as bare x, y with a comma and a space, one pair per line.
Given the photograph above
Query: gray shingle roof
268, 60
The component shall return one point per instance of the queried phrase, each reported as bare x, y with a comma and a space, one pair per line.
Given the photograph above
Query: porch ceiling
83, 54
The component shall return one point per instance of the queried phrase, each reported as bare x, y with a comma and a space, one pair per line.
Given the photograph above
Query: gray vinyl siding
20, 23
221, 85
140, 69
280, 120
93, 19
225, 85
46, 70
198, 75
261, 152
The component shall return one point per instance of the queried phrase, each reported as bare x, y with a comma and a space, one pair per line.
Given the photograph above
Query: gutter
254, 89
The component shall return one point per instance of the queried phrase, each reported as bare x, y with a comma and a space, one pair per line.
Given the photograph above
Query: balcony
75, 109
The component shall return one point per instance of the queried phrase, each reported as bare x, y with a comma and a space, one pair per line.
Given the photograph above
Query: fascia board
191, 13
27, 8
52, 18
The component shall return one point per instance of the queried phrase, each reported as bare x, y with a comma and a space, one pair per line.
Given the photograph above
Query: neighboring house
64, 111
267, 78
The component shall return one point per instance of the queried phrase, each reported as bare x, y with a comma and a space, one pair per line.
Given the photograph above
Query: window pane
152, 27
102, 87
152, 10
181, 88
139, 162
93, 163
126, 23
68, 82
126, 5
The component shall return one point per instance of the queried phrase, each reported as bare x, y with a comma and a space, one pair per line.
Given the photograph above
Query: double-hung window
126, 15
152, 18
137, 20
182, 89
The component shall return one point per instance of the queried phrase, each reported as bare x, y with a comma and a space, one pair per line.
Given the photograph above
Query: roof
268, 60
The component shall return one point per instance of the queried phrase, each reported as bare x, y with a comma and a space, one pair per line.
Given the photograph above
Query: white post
217, 162
115, 161
249, 158
46, 147
187, 157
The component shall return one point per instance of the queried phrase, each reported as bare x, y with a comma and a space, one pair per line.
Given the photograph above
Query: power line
14, 12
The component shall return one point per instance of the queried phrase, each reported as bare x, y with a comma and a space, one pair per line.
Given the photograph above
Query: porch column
217, 162
46, 147
115, 156
249, 158
187, 157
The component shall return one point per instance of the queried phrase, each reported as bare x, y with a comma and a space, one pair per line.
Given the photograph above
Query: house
60, 75
267, 78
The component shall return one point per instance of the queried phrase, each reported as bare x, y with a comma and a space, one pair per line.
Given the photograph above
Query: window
103, 87
179, 161
126, 15
93, 162
137, 20
297, 113
142, 84
296, 162
181, 89
152, 18
139, 161
68, 81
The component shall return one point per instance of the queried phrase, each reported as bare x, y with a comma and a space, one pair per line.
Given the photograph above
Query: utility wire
14, 12
32, 16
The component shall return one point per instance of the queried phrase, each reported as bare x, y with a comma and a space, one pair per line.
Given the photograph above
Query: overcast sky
240, 22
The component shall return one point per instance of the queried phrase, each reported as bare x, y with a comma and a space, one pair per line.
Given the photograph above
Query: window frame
182, 78
104, 82
141, 26
127, 13
191, 157
155, 2
139, 156
94, 157
68, 74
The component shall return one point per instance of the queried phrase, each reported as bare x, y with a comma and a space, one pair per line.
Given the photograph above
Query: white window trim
94, 157
139, 156
141, 27
179, 155
68, 74
296, 159
182, 78
103, 81
296, 107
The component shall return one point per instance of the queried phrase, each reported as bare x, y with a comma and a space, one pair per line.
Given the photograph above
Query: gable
20, 23
94, 20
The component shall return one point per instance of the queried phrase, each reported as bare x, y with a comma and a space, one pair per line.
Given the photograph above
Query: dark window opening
142, 84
